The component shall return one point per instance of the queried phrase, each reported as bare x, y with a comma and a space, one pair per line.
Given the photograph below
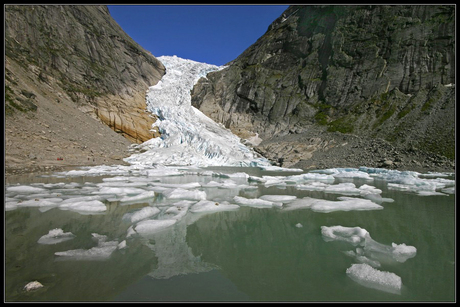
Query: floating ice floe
24, 189
33, 285
409, 181
366, 246
255, 202
212, 206
185, 194
143, 196
85, 207
55, 236
141, 214
370, 277
278, 198
325, 206
102, 251
370, 254
345, 173
148, 227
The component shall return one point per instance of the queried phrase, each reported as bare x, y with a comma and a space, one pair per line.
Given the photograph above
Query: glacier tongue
188, 137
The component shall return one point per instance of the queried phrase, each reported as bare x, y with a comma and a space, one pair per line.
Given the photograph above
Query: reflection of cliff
262, 251
266, 256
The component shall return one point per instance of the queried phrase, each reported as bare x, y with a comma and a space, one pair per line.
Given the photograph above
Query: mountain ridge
332, 72
70, 73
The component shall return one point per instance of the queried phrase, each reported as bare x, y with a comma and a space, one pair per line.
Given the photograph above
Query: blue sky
213, 34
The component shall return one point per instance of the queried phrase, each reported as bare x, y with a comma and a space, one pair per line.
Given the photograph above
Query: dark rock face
81, 52
377, 72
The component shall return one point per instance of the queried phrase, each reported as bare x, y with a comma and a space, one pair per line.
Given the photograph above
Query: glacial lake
318, 247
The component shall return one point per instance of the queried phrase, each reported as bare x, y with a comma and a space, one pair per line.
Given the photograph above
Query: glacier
188, 137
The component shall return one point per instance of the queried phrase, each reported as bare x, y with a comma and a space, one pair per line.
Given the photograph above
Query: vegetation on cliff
378, 71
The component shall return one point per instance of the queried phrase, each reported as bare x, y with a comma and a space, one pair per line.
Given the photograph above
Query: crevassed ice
188, 137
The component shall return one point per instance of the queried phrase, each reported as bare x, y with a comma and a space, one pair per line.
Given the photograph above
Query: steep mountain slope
322, 75
70, 70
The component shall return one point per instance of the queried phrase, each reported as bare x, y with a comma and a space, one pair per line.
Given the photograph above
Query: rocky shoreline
318, 149
352, 152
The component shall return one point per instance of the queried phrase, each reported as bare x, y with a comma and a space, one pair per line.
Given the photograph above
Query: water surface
248, 254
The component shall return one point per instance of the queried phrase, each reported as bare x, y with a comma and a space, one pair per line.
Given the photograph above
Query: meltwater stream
157, 233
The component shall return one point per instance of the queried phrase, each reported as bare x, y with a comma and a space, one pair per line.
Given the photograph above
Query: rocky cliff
71, 71
85, 53
323, 75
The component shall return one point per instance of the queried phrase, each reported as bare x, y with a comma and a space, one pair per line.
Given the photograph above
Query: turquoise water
249, 254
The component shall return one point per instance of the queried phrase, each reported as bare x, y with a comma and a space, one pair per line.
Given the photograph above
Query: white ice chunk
277, 181
122, 245
178, 210
347, 188
55, 236
314, 186
298, 225
343, 204
147, 227
368, 247
141, 214
119, 191
74, 199
368, 189
212, 206
409, 181
308, 177
212, 184
450, 190
33, 285
102, 251
402, 252
36, 202
147, 195
164, 172
185, 194
431, 193
85, 207
253, 202
186, 186
280, 169
353, 174
278, 198
354, 235
24, 189
369, 277
123, 184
